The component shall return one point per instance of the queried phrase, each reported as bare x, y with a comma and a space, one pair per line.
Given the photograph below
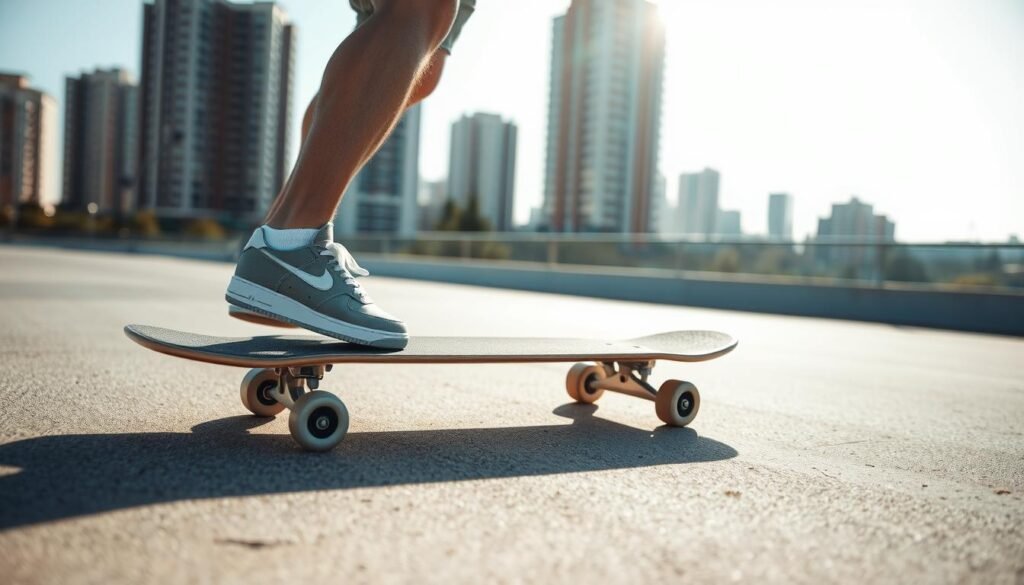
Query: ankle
288, 238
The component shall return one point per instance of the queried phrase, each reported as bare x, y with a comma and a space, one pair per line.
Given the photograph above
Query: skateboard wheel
318, 421
257, 386
677, 403
578, 383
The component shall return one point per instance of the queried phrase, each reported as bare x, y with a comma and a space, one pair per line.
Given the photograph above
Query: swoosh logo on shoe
323, 282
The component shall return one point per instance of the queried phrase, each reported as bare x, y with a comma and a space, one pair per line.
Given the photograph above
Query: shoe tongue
325, 235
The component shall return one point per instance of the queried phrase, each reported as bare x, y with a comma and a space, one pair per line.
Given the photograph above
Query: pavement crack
825, 474
253, 544
841, 444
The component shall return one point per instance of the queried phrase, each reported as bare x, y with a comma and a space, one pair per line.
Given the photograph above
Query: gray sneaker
313, 287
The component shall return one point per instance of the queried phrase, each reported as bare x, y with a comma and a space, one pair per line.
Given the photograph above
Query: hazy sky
916, 106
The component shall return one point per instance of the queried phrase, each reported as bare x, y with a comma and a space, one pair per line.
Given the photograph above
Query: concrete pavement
824, 450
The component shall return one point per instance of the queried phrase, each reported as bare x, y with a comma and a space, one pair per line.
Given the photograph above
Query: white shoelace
345, 263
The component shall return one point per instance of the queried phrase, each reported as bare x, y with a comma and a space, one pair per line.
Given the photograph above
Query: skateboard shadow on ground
64, 476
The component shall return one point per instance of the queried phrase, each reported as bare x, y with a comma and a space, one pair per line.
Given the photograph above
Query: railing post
880, 264
552, 252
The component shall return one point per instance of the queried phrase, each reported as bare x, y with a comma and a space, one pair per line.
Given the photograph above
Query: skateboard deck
287, 369
271, 351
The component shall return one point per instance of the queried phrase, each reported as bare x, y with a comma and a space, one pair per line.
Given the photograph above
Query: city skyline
883, 146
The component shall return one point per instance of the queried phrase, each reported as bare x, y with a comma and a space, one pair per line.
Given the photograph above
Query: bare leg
426, 83
385, 57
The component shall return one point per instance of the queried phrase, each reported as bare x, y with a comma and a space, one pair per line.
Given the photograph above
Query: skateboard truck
624, 380
292, 382
318, 420
676, 402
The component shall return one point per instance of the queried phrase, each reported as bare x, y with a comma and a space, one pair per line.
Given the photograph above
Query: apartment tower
28, 127
100, 142
482, 164
604, 117
697, 211
216, 98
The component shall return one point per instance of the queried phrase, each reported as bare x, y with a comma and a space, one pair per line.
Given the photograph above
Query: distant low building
780, 216
856, 219
433, 195
729, 224
697, 210
28, 128
536, 219
100, 142
845, 236
662, 211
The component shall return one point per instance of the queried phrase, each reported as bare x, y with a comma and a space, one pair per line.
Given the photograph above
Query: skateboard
286, 370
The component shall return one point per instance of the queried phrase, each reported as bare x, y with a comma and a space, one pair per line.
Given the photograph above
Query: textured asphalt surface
824, 450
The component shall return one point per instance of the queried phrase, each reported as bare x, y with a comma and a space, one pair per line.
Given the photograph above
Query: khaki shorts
364, 8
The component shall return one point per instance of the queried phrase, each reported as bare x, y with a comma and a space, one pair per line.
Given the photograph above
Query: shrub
145, 224
205, 228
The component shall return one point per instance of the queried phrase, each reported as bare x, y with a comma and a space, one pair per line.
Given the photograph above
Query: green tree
902, 267
450, 217
471, 220
726, 260
456, 219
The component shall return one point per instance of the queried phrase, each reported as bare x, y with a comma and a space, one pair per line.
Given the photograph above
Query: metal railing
957, 266
985, 266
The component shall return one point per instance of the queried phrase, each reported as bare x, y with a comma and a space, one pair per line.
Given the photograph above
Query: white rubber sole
257, 318
262, 300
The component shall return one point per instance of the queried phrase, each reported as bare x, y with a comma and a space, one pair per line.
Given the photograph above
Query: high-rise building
215, 105
482, 164
697, 209
382, 198
100, 142
780, 216
28, 127
728, 223
604, 117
